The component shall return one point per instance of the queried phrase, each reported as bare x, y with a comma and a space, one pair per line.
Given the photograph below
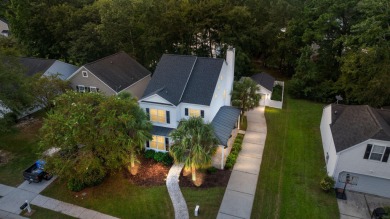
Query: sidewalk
239, 195
12, 198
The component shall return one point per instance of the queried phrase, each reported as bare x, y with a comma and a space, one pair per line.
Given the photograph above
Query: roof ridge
37, 58
106, 57
188, 79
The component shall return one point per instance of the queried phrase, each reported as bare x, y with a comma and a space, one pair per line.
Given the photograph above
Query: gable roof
224, 122
183, 78
118, 71
357, 123
36, 65
265, 80
63, 69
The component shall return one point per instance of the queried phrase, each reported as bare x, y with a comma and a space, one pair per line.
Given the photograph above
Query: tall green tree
194, 143
245, 94
95, 134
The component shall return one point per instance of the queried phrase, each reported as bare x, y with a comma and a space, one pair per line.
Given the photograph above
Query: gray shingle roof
354, 124
264, 80
161, 131
224, 122
118, 70
181, 78
36, 65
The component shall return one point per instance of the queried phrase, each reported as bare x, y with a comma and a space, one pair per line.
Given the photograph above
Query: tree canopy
95, 135
245, 94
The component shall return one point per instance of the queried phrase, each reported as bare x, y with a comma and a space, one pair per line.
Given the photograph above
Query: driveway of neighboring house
360, 205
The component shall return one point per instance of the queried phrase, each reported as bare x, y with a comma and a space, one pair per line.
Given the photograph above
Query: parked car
36, 172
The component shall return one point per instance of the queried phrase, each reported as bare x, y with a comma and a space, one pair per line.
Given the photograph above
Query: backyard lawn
209, 201
293, 165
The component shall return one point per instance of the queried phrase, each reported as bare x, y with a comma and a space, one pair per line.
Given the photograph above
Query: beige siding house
111, 75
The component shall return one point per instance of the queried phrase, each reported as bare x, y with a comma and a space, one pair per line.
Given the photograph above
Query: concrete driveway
359, 205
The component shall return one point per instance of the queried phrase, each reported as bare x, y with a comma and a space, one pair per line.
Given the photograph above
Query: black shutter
87, 89
167, 144
386, 156
77, 88
147, 144
97, 89
168, 118
186, 111
368, 151
147, 113
202, 113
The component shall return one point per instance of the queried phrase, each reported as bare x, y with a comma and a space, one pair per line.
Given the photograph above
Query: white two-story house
184, 86
356, 143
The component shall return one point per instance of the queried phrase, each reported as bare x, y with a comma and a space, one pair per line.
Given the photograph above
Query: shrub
75, 185
7, 122
211, 170
167, 159
236, 148
149, 154
327, 183
159, 156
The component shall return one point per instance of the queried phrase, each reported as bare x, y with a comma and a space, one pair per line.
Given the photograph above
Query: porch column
222, 157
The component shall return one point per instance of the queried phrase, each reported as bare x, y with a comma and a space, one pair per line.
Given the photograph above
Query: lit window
377, 152
81, 88
85, 74
193, 113
158, 116
158, 143
93, 89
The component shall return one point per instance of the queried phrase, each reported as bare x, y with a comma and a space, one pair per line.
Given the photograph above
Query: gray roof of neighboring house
182, 78
224, 122
63, 69
36, 65
161, 131
354, 124
264, 80
118, 71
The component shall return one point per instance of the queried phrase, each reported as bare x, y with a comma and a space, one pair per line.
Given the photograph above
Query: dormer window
85, 74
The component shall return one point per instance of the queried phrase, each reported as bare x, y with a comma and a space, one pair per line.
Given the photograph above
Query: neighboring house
45, 67
356, 142
111, 75
4, 29
183, 86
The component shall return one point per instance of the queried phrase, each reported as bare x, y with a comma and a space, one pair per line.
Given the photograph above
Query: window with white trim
93, 89
85, 74
377, 152
193, 112
157, 143
81, 88
158, 115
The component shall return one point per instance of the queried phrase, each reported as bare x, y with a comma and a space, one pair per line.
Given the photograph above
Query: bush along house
183, 86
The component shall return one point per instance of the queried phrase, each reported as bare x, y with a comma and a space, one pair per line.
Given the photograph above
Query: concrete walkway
240, 192
12, 198
178, 201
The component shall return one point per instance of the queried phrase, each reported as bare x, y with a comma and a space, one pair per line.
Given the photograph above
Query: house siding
327, 140
89, 81
373, 176
137, 89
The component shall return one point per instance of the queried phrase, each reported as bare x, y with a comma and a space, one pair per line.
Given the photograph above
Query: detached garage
356, 143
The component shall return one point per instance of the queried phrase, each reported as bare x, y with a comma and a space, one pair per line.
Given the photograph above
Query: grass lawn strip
293, 165
45, 213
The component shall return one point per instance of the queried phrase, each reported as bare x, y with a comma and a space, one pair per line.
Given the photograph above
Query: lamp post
347, 180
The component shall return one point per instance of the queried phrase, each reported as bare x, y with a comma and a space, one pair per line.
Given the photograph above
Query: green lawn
116, 196
209, 201
293, 165
45, 213
24, 151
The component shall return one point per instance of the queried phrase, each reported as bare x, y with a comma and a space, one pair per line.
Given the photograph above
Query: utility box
196, 211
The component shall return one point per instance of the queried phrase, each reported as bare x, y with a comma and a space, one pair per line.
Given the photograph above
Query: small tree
327, 183
96, 135
245, 94
194, 144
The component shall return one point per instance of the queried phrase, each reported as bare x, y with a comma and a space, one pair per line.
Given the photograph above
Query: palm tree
194, 144
245, 94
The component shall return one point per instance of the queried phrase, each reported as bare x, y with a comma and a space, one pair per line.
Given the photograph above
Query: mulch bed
220, 178
150, 173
